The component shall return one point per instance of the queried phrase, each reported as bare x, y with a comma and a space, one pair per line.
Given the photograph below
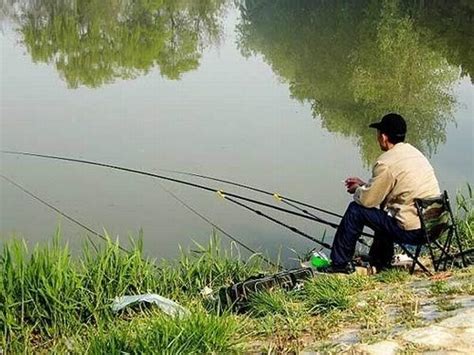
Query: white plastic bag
166, 305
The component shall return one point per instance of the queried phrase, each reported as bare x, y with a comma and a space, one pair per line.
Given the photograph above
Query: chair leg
445, 253
445, 256
455, 230
433, 258
415, 259
458, 242
448, 252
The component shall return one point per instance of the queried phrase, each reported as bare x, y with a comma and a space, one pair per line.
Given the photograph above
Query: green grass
49, 291
464, 214
198, 333
46, 295
206, 266
328, 292
393, 276
441, 287
446, 305
275, 302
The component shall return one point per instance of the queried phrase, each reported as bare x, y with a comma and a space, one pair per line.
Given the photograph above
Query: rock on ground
385, 347
454, 334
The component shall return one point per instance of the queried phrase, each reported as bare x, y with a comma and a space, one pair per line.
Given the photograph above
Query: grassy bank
51, 301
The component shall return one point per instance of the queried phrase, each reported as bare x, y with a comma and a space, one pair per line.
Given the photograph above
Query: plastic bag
166, 305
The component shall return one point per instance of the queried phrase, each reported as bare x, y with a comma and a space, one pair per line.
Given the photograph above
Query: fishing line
190, 208
65, 215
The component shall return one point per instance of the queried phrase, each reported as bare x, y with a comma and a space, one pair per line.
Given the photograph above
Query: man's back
400, 175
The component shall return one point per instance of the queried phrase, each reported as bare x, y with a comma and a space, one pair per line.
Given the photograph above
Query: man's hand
352, 183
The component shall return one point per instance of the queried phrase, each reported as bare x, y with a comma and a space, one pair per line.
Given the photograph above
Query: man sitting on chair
385, 203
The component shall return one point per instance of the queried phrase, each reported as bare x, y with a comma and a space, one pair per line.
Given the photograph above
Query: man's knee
354, 208
352, 215
358, 213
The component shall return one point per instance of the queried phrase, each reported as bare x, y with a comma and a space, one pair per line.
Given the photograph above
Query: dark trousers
386, 231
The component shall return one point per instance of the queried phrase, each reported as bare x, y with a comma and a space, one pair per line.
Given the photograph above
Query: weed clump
441, 287
197, 333
277, 302
53, 302
392, 276
465, 217
328, 292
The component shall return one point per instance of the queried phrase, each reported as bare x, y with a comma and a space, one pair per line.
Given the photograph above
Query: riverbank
51, 301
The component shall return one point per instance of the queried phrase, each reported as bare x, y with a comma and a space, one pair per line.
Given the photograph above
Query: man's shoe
339, 269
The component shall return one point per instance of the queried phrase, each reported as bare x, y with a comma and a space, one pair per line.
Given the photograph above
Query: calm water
276, 94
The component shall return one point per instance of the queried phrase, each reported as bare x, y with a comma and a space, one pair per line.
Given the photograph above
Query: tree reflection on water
96, 41
354, 61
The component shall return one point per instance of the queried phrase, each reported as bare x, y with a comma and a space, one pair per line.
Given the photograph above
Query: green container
319, 261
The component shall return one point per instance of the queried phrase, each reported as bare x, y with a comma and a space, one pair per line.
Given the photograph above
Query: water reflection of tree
353, 61
448, 27
96, 41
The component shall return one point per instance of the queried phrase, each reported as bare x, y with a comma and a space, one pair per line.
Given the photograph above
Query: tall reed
465, 216
46, 294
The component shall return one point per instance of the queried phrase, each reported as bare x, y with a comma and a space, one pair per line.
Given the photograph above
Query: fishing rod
163, 177
293, 229
334, 225
277, 196
221, 193
288, 201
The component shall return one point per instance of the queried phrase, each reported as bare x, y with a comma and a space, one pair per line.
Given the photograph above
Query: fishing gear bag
237, 296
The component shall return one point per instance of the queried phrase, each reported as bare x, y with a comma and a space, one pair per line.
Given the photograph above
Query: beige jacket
400, 175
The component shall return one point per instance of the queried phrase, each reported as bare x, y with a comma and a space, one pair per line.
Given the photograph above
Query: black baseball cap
391, 124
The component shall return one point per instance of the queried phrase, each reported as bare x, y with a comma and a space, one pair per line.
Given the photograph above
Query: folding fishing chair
439, 229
